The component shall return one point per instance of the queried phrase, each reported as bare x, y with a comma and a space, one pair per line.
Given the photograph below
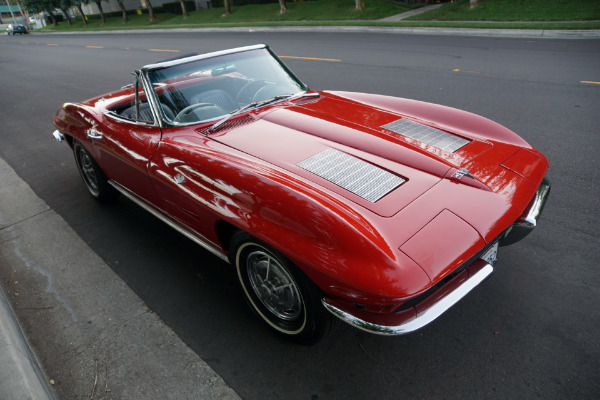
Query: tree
227, 5
283, 8
183, 9
64, 6
150, 10
77, 4
123, 11
99, 4
38, 6
360, 4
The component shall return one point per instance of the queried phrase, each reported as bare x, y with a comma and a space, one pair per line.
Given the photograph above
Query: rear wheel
92, 175
278, 292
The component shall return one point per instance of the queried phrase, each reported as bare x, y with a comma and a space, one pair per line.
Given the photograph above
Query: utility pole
11, 13
21, 10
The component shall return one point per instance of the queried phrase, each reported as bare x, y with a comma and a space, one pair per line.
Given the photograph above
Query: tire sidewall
312, 324
80, 151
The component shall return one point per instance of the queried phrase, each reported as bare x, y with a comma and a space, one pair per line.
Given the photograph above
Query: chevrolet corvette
381, 211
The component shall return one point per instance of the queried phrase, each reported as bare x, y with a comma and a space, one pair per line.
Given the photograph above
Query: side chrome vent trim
426, 134
185, 231
353, 174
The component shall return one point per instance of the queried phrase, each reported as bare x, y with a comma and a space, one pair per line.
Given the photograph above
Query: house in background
112, 6
13, 15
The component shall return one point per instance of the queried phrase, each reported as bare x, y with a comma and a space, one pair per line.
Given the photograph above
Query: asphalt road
531, 330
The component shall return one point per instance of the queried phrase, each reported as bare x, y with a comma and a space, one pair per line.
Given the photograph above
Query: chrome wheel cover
274, 286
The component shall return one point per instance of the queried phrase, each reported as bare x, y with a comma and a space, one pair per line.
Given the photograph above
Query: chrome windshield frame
145, 83
153, 97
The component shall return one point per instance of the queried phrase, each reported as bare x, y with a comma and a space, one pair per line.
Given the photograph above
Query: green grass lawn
342, 13
516, 10
316, 10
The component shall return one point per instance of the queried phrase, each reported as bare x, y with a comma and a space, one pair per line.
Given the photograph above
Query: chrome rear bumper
422, 313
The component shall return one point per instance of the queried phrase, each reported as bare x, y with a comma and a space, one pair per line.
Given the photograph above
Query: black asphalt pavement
529, 331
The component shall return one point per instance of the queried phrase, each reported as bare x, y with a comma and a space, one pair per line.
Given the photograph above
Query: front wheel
278, 291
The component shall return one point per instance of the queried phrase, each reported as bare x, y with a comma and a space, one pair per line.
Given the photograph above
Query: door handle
93, 133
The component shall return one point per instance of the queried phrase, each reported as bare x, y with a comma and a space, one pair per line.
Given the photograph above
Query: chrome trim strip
58, 136
202, 57
190, 234
534, 213
116, 116
424, 317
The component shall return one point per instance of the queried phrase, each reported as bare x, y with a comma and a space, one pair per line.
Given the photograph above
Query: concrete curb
512, 33
90, 332
20, 374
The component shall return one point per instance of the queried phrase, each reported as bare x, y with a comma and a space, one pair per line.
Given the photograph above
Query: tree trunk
227, 5
66, 16
123, 11
54, 21
283, 8
183, 9
101, 11
150, 10
82, 14
360, 4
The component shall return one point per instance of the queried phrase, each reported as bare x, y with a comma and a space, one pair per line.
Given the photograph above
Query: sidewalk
93, 337
404, 15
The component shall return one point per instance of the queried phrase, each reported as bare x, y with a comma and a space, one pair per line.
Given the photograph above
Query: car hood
363, 130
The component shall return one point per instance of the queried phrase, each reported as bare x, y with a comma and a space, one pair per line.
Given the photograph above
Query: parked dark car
16, 28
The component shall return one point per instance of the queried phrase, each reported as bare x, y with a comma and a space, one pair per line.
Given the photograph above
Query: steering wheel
188, 114
270, 90
248, 92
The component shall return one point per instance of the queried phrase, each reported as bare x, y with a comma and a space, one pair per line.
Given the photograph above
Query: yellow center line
593, 83
167, 50
95, 47
312, 58
469, 72
52, 44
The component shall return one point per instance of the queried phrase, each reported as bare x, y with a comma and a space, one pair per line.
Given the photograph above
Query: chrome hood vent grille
357, 176
426, 134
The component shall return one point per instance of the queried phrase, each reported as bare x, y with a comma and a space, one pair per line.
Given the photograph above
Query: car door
125, 143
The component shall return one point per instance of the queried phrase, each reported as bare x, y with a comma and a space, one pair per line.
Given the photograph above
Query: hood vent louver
353, 174
428, 135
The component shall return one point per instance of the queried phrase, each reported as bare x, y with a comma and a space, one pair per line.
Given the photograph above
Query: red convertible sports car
379, 210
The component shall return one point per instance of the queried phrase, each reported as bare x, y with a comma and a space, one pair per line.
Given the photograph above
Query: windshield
208, 89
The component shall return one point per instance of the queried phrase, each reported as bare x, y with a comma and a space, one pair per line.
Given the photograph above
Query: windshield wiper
254, 104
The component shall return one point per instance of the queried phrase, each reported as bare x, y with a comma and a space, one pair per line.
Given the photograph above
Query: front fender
339, 248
